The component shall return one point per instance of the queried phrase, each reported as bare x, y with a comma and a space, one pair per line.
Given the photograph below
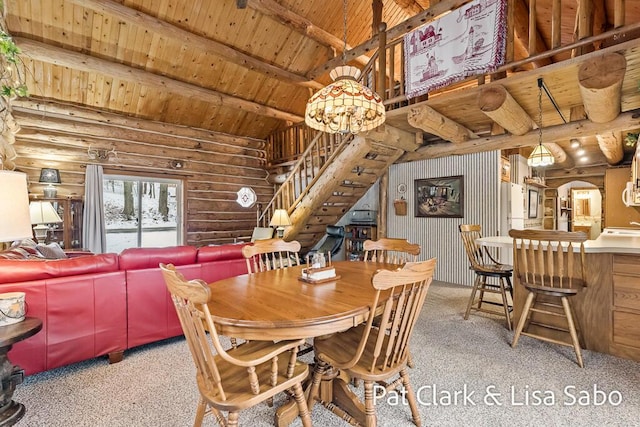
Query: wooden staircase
332, 174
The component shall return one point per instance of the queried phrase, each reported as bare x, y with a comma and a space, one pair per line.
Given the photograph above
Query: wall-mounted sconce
101, 154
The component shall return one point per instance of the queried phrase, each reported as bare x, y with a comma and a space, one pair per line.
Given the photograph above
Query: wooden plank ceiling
242, 71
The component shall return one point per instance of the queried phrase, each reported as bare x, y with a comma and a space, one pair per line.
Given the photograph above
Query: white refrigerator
511, 207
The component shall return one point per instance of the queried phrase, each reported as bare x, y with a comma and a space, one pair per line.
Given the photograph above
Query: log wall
213, 166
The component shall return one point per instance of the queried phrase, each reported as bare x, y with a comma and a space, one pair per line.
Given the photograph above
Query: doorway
587, 211
581, 208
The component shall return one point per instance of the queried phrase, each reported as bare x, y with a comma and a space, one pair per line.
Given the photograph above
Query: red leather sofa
82, 303
103, 304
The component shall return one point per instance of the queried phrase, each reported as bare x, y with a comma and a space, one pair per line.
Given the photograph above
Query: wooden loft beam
197, 42
527, 38
410, 24
303, 26
411, 6
78, 61
582, 128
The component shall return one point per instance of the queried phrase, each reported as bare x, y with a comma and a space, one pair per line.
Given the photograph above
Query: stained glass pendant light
541, 156
345, 106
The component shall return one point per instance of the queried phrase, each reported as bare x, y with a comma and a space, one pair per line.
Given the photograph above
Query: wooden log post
499, 105
429, 120
600, 81
612, 147
559, 154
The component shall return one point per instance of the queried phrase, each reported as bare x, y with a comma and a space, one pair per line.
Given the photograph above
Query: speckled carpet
465, 373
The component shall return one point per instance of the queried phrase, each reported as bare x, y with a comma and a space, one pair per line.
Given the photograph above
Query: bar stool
551, 266
486, 268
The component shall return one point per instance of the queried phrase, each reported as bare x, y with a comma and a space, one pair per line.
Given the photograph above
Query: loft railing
385, 73
306, 169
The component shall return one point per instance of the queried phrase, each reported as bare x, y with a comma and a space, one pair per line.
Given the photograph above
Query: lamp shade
43, 213
14, 207
50, 176
280, 218
540, 157
345, 106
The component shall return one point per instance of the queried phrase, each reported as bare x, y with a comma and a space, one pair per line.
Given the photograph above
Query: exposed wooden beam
392, 137
410, 6
582, 128
611, 145
600, 80
302, 25
399, 30
199, 43
431, 121
497, 103
78, 61
528, 40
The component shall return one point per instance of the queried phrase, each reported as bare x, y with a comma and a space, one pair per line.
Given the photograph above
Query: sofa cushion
140, 258
220, 253
51, 251
22, 270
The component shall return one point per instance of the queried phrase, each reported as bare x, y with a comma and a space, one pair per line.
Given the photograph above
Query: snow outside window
142, 212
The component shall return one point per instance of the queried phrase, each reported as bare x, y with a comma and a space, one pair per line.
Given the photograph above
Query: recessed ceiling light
584, 159
575, 143
580, 152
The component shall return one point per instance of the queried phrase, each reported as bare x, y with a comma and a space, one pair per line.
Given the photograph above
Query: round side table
10, 375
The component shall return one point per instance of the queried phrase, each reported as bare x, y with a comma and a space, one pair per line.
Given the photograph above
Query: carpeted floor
466, 374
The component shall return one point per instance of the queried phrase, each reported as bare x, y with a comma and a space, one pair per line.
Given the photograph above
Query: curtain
93, 229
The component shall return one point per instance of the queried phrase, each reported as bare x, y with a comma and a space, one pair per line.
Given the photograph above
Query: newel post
382, 61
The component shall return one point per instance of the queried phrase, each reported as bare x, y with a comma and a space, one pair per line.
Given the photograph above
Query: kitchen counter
605, 243
607, 310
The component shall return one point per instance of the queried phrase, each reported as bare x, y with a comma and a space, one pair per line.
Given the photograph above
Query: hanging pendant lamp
541, 156
345, 106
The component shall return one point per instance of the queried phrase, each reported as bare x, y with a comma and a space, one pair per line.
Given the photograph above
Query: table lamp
14, 207
280, 219
42, 213
50, 177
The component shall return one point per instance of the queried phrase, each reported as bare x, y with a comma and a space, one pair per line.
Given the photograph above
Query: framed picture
533, 203
440, 197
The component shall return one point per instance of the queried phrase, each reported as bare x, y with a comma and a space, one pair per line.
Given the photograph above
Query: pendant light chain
344, 33
540, 112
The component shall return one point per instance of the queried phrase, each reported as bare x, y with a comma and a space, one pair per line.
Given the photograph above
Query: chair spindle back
271, 254
553, 259
391, 250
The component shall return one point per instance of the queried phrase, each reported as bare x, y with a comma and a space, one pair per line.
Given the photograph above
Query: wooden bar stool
486, 268
551, 266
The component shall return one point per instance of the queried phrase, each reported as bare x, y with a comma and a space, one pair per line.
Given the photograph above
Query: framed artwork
439, 197
533, 203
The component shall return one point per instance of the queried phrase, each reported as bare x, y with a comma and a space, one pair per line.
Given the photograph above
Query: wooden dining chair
271, 254
390, 250
378, 354
486, 268
551, 266
239, 378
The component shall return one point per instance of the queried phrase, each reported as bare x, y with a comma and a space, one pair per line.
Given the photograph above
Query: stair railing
304, 173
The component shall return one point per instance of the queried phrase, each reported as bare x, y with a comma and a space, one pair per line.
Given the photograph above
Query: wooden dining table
277, 305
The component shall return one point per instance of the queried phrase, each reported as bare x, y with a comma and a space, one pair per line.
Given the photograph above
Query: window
142, 212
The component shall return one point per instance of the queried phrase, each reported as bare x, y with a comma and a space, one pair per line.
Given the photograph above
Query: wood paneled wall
213, 166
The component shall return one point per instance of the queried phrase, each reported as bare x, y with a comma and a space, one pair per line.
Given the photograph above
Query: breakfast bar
607, 310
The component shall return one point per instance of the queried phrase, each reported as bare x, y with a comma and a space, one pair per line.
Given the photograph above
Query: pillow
25, 242
51, 251
22, 249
